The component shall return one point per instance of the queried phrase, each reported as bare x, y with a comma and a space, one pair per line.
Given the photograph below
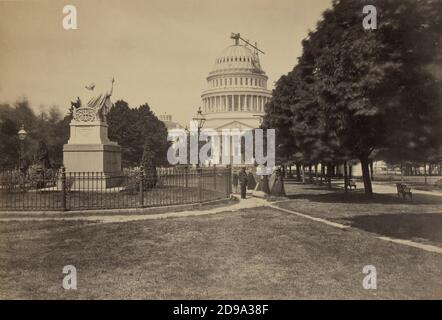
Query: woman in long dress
251, 182
277, 188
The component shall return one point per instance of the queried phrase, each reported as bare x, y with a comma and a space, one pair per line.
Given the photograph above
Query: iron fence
60, 190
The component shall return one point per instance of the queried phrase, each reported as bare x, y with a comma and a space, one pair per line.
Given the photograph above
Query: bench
351, 184
403, 190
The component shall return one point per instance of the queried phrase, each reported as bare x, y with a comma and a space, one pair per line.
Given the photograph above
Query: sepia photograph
221, 155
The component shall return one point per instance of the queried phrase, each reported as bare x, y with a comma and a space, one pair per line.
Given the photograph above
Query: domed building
236, 90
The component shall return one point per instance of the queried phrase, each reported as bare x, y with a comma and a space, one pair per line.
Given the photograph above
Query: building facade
236, 94
236, 90
169, 123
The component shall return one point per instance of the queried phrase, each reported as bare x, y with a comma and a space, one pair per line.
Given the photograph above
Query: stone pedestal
89, 150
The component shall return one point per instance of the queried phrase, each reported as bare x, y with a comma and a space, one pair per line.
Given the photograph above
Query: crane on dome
237, 37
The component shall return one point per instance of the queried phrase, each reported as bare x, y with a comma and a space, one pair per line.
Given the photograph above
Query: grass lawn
417, 182
249, 254
419, 220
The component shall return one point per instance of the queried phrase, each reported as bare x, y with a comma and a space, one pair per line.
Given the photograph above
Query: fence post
63, 188
214, 178
200, 195
230, 180
141, 186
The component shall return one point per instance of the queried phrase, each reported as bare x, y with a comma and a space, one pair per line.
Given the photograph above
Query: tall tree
361, 90
130, 127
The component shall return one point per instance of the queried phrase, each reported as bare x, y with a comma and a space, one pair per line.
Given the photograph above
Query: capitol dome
236, 90
237, 57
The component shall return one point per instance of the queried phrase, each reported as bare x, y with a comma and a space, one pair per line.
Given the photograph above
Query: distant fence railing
62, 191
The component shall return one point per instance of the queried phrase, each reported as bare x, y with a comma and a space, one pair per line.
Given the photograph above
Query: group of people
246, 180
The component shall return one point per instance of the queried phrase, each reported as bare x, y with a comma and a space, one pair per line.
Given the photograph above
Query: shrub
149, 165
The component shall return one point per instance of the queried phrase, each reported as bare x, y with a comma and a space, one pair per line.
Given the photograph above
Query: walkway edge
333, 224
146, 210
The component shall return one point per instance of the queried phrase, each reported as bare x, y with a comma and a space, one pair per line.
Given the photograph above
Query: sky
158, 51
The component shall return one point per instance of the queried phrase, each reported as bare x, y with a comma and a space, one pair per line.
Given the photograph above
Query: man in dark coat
242, 177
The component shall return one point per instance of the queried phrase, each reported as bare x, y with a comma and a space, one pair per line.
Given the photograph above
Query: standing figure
235, 182
251, 182
243, 182
99, 101
277, 188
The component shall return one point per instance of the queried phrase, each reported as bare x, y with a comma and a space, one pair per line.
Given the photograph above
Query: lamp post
200, 120
22, 134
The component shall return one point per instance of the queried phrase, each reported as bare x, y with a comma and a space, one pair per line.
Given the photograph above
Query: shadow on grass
404, 225
338, 196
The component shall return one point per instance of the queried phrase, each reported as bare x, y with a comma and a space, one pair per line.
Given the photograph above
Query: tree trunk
345, 177
366, 176
316, 174
303, 173
425, 173
329, 174
322, 172
371, 170
298, 172
402, 172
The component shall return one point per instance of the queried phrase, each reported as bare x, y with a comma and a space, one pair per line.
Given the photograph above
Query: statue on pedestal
96, 107
89, 148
